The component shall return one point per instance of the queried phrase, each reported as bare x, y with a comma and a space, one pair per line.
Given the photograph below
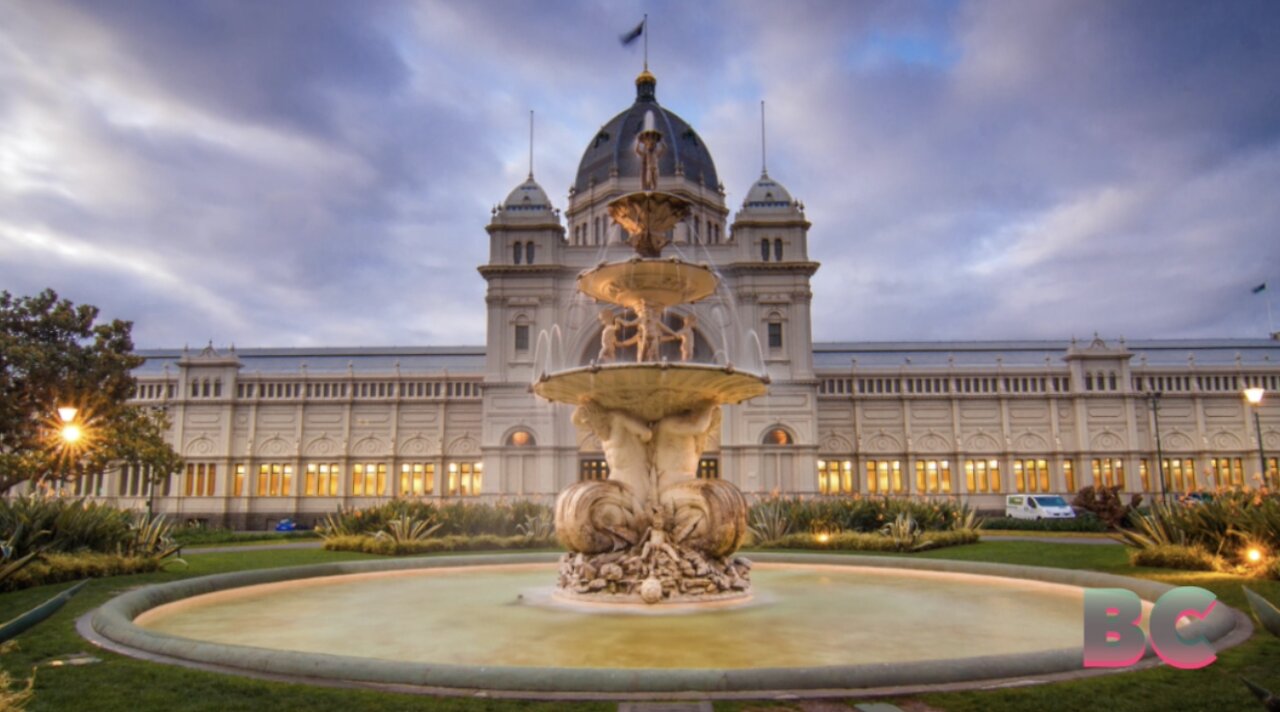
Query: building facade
270, 433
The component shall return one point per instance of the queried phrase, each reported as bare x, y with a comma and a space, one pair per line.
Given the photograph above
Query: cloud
308, 173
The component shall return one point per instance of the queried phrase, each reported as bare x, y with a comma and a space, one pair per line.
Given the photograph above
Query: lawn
120, 683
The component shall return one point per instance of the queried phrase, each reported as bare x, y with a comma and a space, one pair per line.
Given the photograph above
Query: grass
1044, 534
120, 683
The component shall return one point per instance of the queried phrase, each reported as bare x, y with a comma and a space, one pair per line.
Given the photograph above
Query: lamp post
1153, 400
1254, 397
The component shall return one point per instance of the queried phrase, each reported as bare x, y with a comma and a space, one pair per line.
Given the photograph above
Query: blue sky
320, 172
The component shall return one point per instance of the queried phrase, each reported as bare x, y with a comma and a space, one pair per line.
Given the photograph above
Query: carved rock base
669, 573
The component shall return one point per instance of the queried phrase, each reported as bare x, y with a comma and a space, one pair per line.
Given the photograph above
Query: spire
764, 162
530, 144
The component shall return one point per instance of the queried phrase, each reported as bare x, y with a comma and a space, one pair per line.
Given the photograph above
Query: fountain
652, 531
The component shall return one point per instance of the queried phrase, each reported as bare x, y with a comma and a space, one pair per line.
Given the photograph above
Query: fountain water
652, 531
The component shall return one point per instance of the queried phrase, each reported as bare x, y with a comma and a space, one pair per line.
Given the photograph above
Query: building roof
613, 146
767, 193
334, 360
1152, 353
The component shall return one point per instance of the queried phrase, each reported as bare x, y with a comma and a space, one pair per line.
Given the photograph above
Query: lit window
369, 479
200, 477
520, 438
777, 436
1031, 475
1228, 471
1108, 472
237, 483
1144, 473
885, 476
708, 469
322, 479
417, 478
835, 477
275, 480
464, 478
593, 470
1179, 474
983, 475
1069, 474
933, 476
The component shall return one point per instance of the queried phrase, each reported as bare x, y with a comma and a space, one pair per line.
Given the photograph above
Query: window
322, 479
89, 485
134, 480
1228, 471
1179, 475
933, 476
764, 250
982, 475
1144, 474
520, 438
885, 476
593, 470
835, 477
1108, 472
1069, 475
778, 436
777, 250
200, 477
237, 482
528, 253
275, 480
775, 334
522, 337
369, 479
464, 478
1031, 475
417, 478
1273, 472
517, 252
708, 468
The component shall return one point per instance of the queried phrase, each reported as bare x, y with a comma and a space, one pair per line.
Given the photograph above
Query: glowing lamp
1254, 395
1254, 555
67, 413
71, 433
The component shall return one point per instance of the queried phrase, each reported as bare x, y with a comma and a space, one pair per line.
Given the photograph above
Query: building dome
611, 153
767, 193
528, 197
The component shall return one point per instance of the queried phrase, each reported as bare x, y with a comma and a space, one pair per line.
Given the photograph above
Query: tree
54, 354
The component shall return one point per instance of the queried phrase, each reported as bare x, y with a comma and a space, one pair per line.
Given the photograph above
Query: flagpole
530, 144
645, 27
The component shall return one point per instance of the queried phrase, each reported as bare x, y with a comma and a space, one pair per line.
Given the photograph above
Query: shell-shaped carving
415, 446
884, 442
465, 445
836, 444
369, 446
1178, 441
323, 445
1224, 440
710, 516
596, 516
933, 442
981, 442
1272, 439
1030, 442
1107, 441
200, 446
274, 447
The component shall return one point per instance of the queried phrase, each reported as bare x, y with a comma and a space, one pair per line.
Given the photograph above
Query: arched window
764, 250
777, 250
528, 254
521, 438
517, 252
778, 436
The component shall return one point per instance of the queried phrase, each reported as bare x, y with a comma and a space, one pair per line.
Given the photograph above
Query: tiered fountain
652, 531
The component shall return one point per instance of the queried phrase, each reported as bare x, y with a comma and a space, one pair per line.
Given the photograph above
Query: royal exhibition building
268, 433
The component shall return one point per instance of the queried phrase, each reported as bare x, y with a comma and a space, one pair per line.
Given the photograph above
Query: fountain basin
785, 658
650, 391
658, 282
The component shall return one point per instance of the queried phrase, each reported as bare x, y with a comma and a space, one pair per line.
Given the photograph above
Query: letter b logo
1113, 638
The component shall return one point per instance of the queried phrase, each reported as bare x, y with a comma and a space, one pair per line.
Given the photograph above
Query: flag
1258, 289
633, 35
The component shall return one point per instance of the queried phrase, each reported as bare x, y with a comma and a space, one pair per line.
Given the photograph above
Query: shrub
57, 568
387, 546
1174, 556
858, 541
36, 520
771, 517
1105, 504
1086, 522
199, 536
460, 518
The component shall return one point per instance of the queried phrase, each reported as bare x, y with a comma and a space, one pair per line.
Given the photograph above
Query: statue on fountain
653, 531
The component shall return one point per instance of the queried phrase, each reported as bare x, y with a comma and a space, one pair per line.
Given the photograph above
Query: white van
1037, 506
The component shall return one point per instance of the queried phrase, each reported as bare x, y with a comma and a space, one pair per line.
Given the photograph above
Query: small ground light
1254, 555
823, 538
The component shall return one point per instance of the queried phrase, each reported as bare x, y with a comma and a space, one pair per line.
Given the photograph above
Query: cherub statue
649, 329
609, 337
684, 335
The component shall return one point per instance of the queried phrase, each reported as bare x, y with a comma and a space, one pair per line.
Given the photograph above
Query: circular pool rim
112, 626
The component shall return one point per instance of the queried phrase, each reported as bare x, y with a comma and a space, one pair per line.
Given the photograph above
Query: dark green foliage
388, 546
1225, 526
201, 536
857, 513
856, 541
57, 568
1173, 556
1084, 523
62, 525
456, 518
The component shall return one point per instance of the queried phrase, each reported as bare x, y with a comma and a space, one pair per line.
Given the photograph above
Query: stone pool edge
113, 621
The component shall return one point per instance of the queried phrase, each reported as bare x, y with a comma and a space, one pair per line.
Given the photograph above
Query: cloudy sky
320, 173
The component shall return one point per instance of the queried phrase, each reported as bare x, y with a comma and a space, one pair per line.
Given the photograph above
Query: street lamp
70, 431
1153, 400
1254, 396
